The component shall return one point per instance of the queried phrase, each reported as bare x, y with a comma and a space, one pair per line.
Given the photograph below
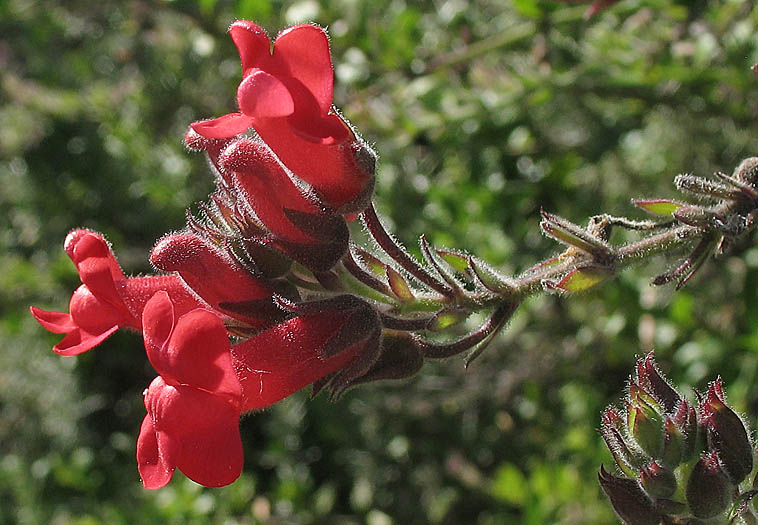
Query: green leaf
509, 485
527, 8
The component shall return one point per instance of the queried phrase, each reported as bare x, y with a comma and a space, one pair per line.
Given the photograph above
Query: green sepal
371, 263
399, 286
663, 207
457, 261
582, 279
447, 318
673, 444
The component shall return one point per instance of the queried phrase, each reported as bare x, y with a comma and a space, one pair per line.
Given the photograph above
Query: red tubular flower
287, 97
107, 300
300, 226
217, 279
292, 355
193, 406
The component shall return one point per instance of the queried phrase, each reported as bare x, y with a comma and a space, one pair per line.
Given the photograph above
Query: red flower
335, 338
217, 279
107, 300
300, 226
193, 407
287, 97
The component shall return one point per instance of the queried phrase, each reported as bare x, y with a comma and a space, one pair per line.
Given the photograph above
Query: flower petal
263, 95
304, 50
212, 453
100, 318
135, 292
253, 44
201, 429
55, 322
82, 244
157, 326
153, 458
223, 127
199, 354
78, 341
98, 268
194, 351
195, 260
94, 315
278, 362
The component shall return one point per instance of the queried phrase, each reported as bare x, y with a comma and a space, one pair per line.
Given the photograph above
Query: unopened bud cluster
681, 462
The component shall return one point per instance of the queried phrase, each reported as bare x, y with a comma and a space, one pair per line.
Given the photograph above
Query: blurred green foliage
483, 112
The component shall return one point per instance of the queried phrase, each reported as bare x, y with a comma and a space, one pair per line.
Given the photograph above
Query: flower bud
644, 421
685, 419
670, 506
649, 378
400, 357
726, 434
747, 171
657, 481
217, 279
673, 444
696, 216
708, 489
628, 500
610, 429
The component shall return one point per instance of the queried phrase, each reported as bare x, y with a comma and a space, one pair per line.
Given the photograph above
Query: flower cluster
264, 292
681, 463
224, 326
286, 95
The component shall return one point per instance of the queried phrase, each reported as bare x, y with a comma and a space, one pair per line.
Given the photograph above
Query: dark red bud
708, 489
399, 358
610, 429
727, 434
658, 482
628, 500
650, 378
685, 419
